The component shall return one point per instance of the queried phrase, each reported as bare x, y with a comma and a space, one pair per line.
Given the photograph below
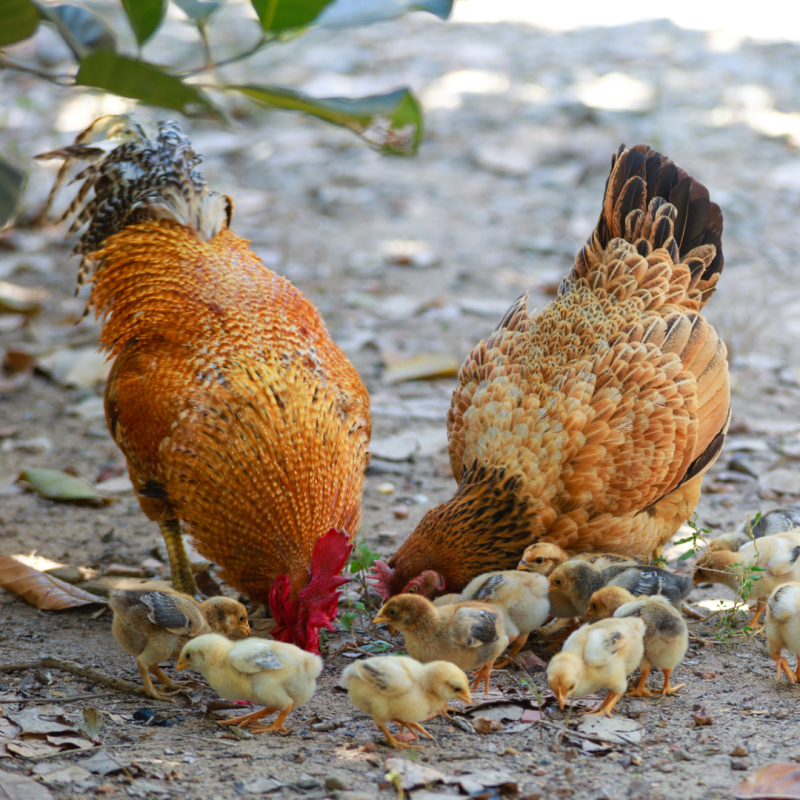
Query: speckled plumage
237, 413
590, 424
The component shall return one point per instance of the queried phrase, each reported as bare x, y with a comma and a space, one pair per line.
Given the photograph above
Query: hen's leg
667, 688
182, 575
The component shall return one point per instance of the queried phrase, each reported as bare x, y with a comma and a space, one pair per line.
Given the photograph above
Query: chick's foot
278, 725
641, 690
668, 688
783, 666
398, 745
247, 719
606, 707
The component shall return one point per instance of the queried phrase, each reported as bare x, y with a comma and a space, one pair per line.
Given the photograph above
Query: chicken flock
578, 439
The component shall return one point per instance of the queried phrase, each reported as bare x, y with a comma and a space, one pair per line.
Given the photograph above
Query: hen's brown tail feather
652, 203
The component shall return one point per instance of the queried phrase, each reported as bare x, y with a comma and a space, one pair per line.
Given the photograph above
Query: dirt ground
520, 129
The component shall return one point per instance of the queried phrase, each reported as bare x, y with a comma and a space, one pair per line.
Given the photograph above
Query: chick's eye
558, 581
241, 619
539, 560
392, 612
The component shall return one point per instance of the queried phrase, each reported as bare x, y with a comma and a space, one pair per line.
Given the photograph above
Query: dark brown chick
155, 625
470, 635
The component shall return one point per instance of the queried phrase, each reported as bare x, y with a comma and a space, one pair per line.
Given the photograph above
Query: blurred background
413, 260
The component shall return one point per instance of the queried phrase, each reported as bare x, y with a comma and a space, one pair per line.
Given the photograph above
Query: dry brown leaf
430, 365
39, 589
17, 787
778, 781
21, 299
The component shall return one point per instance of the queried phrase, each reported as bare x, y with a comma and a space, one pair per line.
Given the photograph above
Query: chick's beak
561, 696
523, 565
380, 618
465, 696
244, 629
181, 664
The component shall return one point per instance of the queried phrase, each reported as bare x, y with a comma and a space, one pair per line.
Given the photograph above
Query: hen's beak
561, 696
181, 664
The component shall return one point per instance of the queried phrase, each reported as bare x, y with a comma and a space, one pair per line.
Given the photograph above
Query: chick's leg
412, 728
149, 689
761, 607
607, 706
668, 688
166, 681
783, 666
640, 690
394, 742
483, 674
247, 719
182, 576
508, 659
278, 725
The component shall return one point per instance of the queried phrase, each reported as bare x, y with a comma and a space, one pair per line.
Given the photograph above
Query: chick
777, 559
779, 520
277, 675
446, 600
469, 635
155, 625
604, 602
544, 557
404, 691
783, 626
521, 598
573, 583
666, 638
595, 657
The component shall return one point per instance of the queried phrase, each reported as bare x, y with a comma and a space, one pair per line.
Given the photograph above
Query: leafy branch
391, 123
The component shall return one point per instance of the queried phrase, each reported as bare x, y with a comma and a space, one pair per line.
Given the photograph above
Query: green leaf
145, 17
138, 80
197, 11
391, 123
57, 485
687, 554
283, 15
18, 21
82, 31
11, 183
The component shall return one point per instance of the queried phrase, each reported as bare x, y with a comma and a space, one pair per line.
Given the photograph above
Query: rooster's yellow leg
640, 690
394, 742
182, 575
783, 666
668, 688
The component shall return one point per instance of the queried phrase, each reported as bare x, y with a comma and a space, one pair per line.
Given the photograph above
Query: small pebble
739, 751
385, 488
741, 763
400, 512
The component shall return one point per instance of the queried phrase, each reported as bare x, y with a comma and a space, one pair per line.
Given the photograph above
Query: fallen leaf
90, 722
777, 781
14, 786
56, 485
69, 742
31, 749
20, 299
617, 730
414, 774
39, 589
36, 720
486, 725
430, 365
104, 763
72, 775
508, 710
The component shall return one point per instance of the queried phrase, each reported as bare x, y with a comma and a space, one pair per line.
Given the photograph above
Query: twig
59, 700
78, 751
59, 80
264, 40
73, 668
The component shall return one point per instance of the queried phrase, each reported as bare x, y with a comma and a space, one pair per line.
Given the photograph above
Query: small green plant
697, 538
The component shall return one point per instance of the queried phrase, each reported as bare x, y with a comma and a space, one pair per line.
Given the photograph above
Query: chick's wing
488, 589
176, 614
251, 657
473, 627
386, 676
602, 646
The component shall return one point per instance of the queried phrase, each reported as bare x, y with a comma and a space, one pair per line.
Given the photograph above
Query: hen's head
428, 583
300, 618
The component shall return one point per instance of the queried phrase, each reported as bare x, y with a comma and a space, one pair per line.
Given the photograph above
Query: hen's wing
179, 615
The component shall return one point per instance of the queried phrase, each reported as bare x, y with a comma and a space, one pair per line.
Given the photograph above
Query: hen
591, 423
239, 417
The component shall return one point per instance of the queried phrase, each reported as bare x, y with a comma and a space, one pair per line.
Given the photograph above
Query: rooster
240, 419
590, 424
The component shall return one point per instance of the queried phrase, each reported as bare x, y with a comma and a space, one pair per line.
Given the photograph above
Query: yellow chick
595, 657
404, 691
446, 600
153, 626
520, 597
469, 635
783, 627
273, 674
544, 557
778, 560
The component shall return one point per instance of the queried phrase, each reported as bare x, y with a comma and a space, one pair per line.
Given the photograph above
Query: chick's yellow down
277, 675
544, 557
777, 556
404, 691
521, 598
469, 635
599, 656
783, 627
666, 636
155, 625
